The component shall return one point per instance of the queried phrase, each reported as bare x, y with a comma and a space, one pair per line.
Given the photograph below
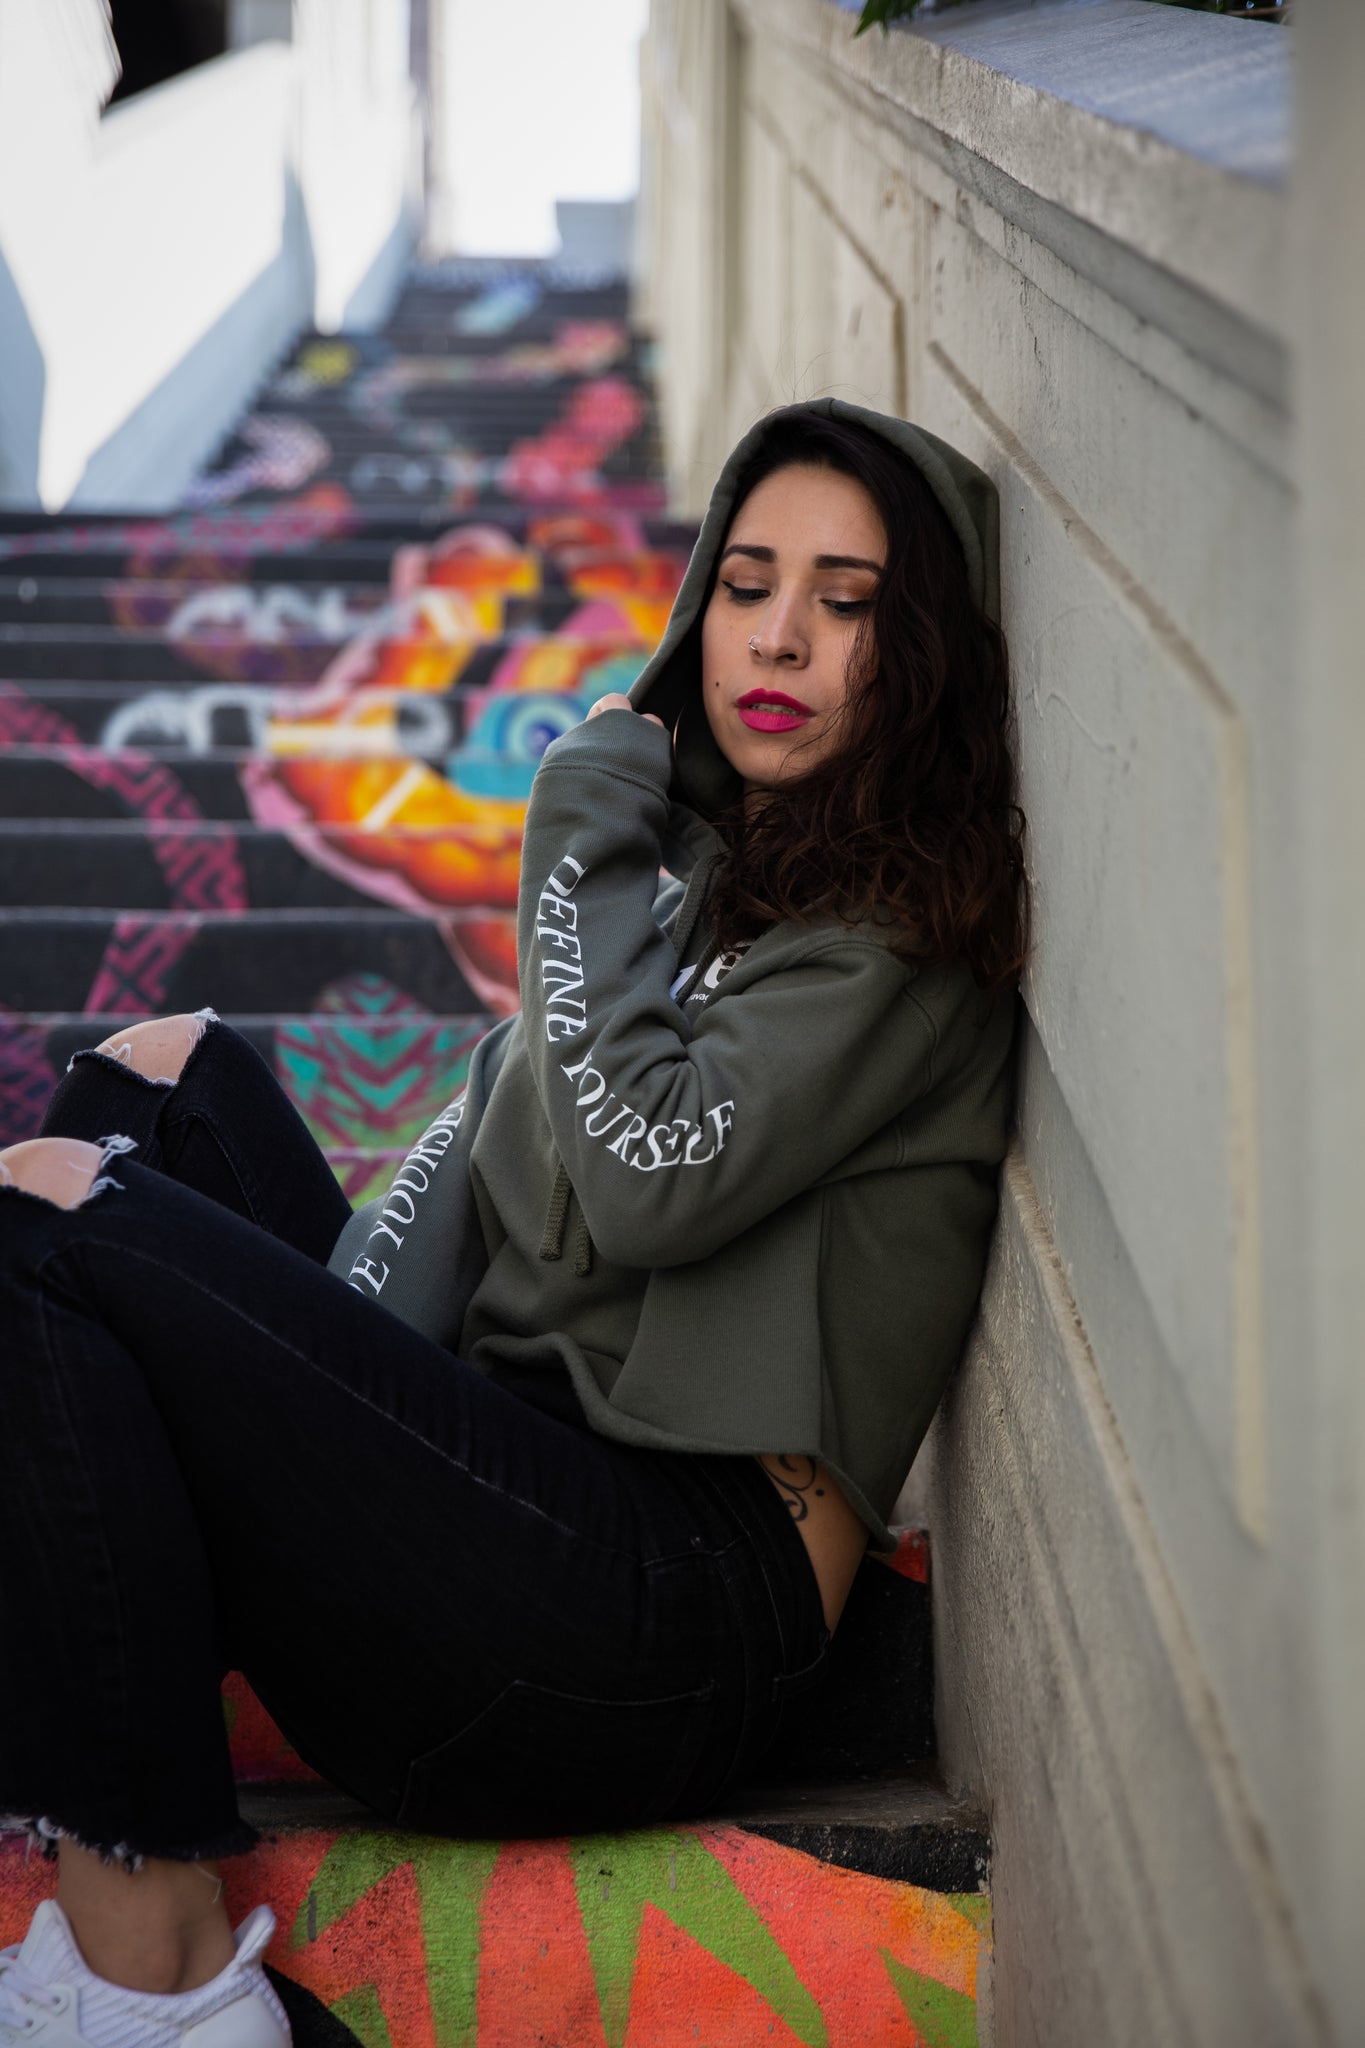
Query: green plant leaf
618, 1875
881, 13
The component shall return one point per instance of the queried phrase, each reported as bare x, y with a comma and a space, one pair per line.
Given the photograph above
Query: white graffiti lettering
271, 613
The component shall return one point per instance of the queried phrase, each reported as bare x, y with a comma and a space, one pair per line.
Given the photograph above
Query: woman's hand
616, 700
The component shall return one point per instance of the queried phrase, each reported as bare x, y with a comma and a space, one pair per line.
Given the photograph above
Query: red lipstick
765, 710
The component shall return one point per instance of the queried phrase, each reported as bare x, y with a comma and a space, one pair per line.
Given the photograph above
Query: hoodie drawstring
694, 896
552, 1243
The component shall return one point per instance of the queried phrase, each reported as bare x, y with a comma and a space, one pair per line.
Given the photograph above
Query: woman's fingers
616, 700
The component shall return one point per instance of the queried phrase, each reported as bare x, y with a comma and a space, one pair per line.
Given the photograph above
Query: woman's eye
848, 607
743, 593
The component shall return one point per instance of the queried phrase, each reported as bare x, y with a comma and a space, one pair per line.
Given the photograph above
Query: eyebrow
756, 554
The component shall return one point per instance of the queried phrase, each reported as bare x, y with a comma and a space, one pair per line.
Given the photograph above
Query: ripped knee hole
157, 1043
65, 1171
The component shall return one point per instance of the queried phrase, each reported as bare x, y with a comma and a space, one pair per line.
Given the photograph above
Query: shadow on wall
22, 390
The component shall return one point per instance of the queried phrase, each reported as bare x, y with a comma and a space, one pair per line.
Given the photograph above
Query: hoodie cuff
619, 742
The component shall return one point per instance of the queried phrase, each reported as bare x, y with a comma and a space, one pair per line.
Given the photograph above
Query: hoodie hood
668, 683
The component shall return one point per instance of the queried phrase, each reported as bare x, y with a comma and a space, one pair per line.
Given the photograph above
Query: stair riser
126, 868
436, 490
367, 1085
288, 545
478, 407
329, 609
147, 965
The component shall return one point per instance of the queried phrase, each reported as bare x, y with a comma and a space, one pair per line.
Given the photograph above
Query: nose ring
753, 643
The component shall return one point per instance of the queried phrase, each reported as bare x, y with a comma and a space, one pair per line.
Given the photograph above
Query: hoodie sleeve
678, 1136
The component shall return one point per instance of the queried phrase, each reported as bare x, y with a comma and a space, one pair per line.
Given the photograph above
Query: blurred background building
185, 184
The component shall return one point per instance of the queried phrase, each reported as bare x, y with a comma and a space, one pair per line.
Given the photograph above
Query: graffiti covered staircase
271, 753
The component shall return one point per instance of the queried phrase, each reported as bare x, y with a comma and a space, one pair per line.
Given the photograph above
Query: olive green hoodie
745, 1208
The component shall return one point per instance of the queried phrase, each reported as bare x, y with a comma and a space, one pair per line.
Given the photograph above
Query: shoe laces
23, 1995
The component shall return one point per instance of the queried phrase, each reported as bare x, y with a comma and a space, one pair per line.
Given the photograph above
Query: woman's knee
62, 1170
158, 1048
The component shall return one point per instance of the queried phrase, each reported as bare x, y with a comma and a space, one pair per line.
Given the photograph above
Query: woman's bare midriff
835, 1537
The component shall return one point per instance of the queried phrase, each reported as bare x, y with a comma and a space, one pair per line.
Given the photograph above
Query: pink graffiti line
141, 956
202, 870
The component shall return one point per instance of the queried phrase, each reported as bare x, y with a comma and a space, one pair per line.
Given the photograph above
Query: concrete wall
1062, 235
155, 260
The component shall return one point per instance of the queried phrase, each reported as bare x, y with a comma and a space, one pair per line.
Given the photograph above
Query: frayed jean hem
44, 1834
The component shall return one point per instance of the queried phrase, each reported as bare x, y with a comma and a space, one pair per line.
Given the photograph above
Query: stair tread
903, 1825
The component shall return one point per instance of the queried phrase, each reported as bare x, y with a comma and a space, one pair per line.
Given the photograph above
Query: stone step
518, 388
146, 963
191, 714
435, 852
31, 560
334, 608
296, 532
479, 402
903, 1825
715, 1930
401, 488
469, 431
199, 647
366, 1067
136, 864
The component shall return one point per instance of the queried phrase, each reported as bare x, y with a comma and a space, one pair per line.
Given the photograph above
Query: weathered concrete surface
1322, 1035
1061, 235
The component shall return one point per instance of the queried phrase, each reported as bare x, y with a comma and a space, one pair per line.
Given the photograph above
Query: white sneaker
51, 1998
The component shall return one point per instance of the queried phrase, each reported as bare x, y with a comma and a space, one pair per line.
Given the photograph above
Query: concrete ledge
1225, 100
900, 1825
1167, 131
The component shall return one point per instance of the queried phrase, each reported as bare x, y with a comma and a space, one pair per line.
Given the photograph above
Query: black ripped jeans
214, 1454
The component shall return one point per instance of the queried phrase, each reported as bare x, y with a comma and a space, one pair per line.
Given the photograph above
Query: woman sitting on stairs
528, 1495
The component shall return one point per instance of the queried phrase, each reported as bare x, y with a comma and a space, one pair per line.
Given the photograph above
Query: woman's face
797, 575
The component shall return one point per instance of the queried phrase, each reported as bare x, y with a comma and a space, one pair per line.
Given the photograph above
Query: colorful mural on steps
368, 1071
663, 1938
302, 675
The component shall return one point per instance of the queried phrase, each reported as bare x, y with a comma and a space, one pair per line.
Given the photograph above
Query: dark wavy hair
911, 822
